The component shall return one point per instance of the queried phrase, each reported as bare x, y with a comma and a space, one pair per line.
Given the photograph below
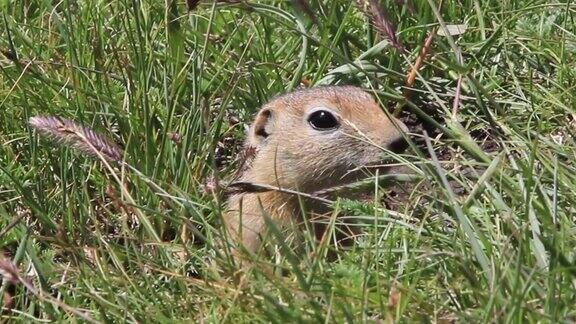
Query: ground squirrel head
312, 139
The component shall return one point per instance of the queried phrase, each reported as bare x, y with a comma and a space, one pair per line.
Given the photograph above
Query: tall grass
480, 229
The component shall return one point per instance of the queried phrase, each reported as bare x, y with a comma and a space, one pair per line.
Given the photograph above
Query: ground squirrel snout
308, 140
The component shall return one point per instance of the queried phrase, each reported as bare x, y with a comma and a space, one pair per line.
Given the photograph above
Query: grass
485, 232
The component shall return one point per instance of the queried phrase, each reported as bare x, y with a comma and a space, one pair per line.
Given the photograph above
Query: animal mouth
381, 166
357, 177
369, 170
366, 171
384, 165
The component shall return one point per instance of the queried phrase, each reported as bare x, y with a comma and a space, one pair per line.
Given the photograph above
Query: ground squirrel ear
262, 125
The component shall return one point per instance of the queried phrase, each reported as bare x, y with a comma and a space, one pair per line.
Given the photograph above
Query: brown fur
289, 153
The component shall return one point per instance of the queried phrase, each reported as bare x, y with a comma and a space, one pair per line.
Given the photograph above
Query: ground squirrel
303, 141
307, 140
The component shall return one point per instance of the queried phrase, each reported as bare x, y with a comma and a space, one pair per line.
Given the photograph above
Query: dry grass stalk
11, 274
411, 77
9, 271
304, 6
68, 132
381, 21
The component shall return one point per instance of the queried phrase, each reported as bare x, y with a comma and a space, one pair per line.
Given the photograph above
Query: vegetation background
483, 230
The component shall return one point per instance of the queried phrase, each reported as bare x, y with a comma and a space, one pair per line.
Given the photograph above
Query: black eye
323, 120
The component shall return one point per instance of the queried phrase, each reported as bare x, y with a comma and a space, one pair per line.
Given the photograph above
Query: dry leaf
453, 30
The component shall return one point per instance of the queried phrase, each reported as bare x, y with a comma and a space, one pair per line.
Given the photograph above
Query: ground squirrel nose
398, 145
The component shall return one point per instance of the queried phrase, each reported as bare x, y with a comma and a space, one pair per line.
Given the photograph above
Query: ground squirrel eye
323, 120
